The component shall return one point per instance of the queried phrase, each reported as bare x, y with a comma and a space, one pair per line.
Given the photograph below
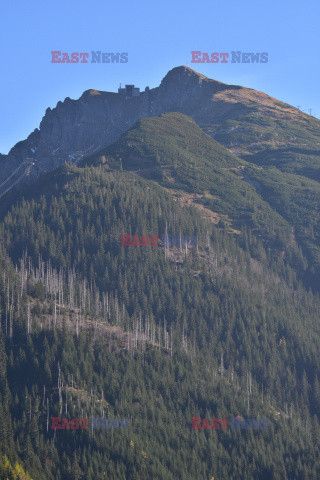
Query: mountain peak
186, 74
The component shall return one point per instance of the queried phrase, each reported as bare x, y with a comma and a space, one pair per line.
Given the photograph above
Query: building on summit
129, 91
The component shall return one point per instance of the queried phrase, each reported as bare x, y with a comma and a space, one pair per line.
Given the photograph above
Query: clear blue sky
158, 36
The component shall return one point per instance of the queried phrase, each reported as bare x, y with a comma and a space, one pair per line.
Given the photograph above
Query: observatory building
129, 91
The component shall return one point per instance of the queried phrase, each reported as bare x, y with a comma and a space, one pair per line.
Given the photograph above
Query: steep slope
176, 153
162, 141
244, 341
305, 162
279, 207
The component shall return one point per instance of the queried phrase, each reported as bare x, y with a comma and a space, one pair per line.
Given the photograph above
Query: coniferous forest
160, 334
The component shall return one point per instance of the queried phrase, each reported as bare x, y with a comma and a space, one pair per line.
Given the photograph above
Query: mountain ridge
243, 120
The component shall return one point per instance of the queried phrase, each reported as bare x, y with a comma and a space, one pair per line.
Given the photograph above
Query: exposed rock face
76, 128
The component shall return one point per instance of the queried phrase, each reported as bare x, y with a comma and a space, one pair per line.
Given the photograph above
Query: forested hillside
154, 334
278, 206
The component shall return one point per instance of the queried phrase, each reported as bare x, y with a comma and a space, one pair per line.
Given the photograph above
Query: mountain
242, 119
158, 334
